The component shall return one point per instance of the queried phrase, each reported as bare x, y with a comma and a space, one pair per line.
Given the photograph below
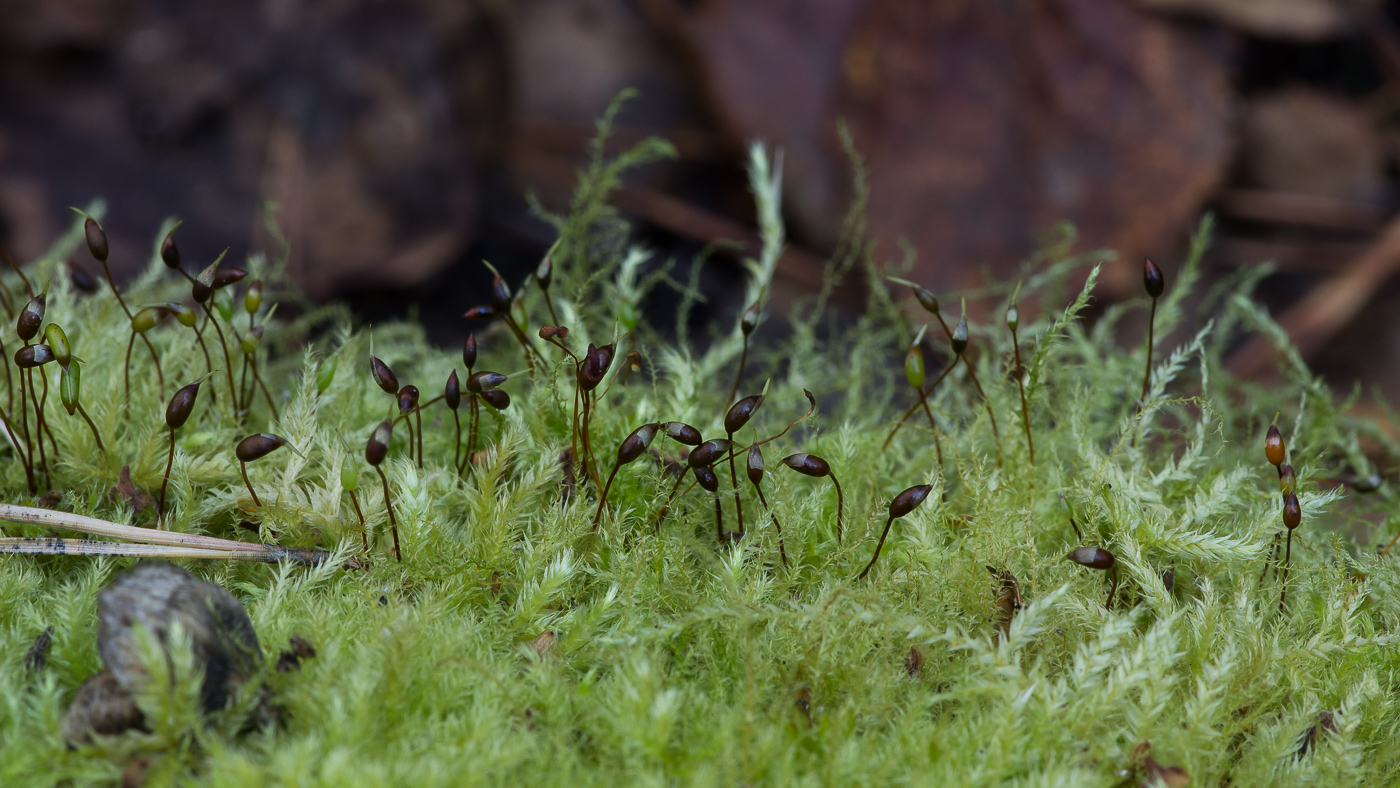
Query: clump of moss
514, 643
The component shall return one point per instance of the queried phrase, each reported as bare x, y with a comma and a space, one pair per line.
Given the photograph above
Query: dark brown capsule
96, 239
500, 293
705, 475
926, 299
755, 465
1287, 482
469, 351
379, 440
740, 413
257, 446
1292, 511
749, 321
1092, 557
181, 406
31, 317
635, 444
708, 452
203, 286
1273, 446
681, 432
408, 398
548, 332
1152, 280
606, 353
169, 252
31, 356
1169, 579
807, 464
483, 312
452, 392
496, 398
227, 275
960, 336
909, 500
82, 280
484, 381
590, 372
383, 376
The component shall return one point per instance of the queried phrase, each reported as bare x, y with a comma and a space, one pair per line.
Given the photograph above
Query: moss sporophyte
558, 619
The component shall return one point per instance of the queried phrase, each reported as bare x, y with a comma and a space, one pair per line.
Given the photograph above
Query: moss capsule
378, 445
633, 445
181, 406
469, 351
383, 376
57, 341
740, 412
1152, 280
325, 374
31, 317
705, 475
708, 452
253, 298
169, 252
408, 398
96, 239
1292, 511
349, 475
250, 341
1274, 450
754, 468
31, 356
914, 367
452, 392
681, 432
496, 398
909, 500
257, 446
808, 464
1092, 557
70, 386
484, 381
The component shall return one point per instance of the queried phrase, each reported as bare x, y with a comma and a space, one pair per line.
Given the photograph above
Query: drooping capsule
169, 252
148, 318
484, 381
182, 405
705, 475
909, 500
70, 386
496, 398
257, 446
227, 275
31, 317
469, 351
959, 341
31, 356
681, 432
708, 452
57, 341
182, 313
378, 445
452, 392
483, 312
1274, 450
635, 444
1152, 280
740, 412
383, 376
755, 465
590, 372
1292, 511
1092, 557
408, 398
808, 464
253, 298
250, 341
96, 239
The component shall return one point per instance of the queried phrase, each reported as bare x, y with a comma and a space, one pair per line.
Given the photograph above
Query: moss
675, 660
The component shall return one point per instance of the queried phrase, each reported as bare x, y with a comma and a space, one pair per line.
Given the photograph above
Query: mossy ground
678, 661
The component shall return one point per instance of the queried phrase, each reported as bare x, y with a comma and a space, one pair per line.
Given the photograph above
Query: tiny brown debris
125, 491
38, 655
1009, 600
804, 703
1326, 724
50, 500
299, 648
496, 586
1159, 776
914, 662
570, 483
544, 642
135, 774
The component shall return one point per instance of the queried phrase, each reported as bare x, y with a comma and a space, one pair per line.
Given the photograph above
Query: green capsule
914, 367
627, 316
251, 340
349, 475
224, 303
517, 312
148, 318
326, 374
253, 298
58, 343
1013, 318
70, 386
182, 313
